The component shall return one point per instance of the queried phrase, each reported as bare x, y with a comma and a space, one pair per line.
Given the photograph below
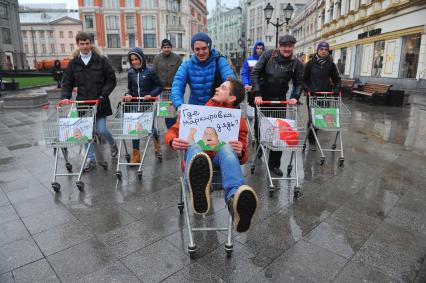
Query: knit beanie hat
201, 36
323, 44
166, 42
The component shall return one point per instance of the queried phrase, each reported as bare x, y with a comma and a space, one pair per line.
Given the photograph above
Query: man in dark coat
270, 80
95, 79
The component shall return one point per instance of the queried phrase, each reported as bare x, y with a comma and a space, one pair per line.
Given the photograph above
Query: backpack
217, 80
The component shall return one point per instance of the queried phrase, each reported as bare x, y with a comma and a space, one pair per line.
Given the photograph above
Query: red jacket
173, 132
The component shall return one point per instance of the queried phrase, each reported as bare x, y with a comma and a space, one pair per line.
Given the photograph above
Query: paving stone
355, 272
156, 262
3, 199
47, 219
31, 192
115, 272
37, 205
7, 278
78, 261
62, 237
12, 231
353, 221
7, 214
39, 271
17, 254
193, 273
407, 219
303, 262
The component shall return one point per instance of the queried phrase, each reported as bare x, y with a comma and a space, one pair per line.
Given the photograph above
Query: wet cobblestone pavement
364, 221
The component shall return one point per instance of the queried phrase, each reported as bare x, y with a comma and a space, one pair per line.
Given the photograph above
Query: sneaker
200, 171
114, 150
277, 171
89, 166
242, 207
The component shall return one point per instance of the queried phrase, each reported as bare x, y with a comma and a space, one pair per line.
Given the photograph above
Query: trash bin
396, 97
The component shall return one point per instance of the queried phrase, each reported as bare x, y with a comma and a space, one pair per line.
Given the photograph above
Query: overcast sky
72, 4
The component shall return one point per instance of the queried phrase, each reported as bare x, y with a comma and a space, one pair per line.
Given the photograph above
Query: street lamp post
288, 12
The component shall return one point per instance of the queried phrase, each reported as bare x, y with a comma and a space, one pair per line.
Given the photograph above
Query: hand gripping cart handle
70, 125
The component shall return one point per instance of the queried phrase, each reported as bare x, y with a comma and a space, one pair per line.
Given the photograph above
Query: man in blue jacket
248, 66
203, 72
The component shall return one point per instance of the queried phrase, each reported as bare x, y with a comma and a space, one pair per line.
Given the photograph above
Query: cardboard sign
209, 127
137, 124
75, 129
325, 118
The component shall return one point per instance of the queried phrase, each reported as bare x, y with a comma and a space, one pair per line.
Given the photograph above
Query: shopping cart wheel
252, 168
192, 251
271, 191
127, 156
253, 143
333, 146
304, 147
56, 186
80, 185
118, 175
322, 160
180, 206
160, 157
289, 169
139, 175
228, 250
69, 167
104, 165
297, 193
341, 161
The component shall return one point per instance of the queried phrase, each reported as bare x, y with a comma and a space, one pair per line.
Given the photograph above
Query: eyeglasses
198, 49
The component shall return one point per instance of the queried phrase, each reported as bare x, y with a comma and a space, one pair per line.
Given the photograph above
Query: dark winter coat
250, 63
144, 80
57, 71
321, 77
166, 67
96, 80
276, 72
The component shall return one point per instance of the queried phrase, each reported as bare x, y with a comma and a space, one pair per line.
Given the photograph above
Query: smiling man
204, 71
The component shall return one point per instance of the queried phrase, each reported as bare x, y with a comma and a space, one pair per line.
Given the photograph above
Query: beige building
48, 35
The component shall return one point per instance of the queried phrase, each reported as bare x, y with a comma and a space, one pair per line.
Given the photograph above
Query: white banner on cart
278, 131
209, 127
75, 129
137, 123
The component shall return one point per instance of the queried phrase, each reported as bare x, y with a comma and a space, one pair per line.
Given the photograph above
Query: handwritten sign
166, 109
278, 131
75, 129
137, 124
209, 127
324, 118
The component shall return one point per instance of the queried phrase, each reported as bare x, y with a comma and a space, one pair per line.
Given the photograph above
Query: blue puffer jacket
142, 81
200, 77
249, 64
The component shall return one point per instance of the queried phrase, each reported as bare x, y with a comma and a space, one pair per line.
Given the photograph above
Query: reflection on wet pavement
361, 222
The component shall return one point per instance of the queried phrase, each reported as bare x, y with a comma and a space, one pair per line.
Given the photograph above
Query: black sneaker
242, 207
89, 166
277, 171
200, 173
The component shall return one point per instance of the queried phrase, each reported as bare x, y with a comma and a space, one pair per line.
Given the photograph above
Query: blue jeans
227, 160
102, 129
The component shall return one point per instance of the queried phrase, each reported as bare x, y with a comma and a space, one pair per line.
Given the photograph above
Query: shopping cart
216, 185
327, 113
165, 107
134, 120
280, 129
69, 126
248, 112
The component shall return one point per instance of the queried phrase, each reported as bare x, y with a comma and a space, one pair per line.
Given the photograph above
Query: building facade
225, 30
118, 25
48, 34
376, 40
197, 17
11, 49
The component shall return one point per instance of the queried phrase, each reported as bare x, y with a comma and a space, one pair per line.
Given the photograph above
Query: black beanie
166, 42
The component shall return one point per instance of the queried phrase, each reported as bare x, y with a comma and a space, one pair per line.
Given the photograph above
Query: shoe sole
200, 173
244, 207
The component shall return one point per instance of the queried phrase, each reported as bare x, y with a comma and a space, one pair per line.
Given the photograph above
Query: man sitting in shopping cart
240, 198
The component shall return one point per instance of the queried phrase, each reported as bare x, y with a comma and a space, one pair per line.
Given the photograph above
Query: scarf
320, 60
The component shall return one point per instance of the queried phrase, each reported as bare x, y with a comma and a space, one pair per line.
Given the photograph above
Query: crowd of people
266, 75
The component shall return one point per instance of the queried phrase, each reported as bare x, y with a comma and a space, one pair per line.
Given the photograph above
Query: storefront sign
370, 33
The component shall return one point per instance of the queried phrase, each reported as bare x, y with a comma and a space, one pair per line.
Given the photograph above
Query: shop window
410, 56
379, 50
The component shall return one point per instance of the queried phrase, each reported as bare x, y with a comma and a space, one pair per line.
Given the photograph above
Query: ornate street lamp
288, 12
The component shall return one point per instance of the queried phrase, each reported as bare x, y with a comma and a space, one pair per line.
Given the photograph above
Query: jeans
227, 160
102, 129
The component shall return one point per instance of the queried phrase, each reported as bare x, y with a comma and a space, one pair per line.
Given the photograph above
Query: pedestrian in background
93, 75
166, 65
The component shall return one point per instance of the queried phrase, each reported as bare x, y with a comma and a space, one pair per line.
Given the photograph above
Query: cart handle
274, 102
94, 101
323, 92
152, 98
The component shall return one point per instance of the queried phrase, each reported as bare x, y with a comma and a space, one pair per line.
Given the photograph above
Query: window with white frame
149, 31
88, 3
173, 5
132, 40
3, 11
259, 15
7, 39
130, 3
88, 21
149, 40
130, 22
176, 39
111, 3
148, 23
112, 23
148, 4
113, 41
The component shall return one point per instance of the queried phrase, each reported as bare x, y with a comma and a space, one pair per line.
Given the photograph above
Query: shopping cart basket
216, 185
280, 129
328, 113
134, 120
248, 112
70, 125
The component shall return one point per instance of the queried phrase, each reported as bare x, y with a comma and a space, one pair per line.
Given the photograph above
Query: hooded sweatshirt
249, 64
142, 81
